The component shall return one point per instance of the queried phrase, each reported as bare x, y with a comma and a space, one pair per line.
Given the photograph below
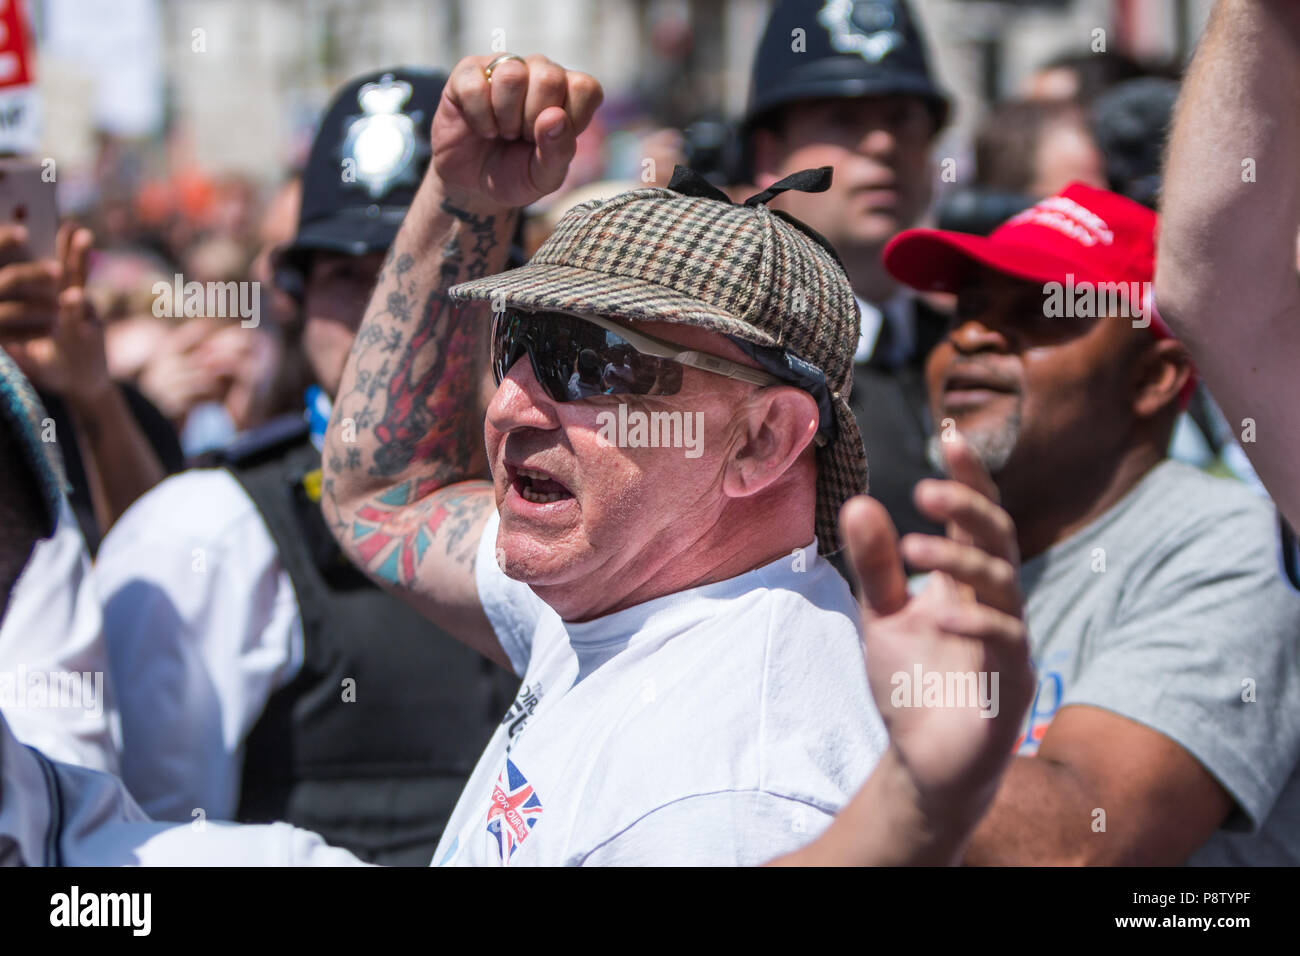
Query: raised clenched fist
509, 139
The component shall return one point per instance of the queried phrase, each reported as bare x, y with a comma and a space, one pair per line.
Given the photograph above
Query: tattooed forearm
393, 533
410, 395
430, 415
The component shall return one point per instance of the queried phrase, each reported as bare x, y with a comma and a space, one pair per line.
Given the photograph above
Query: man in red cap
1152, 597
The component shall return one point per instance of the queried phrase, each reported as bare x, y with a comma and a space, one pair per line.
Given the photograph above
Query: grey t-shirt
1170, 610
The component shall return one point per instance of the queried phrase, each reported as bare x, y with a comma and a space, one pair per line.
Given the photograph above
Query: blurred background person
1145, 580
1080, 76
1025, 150
859, 96
1036, 149
115, 445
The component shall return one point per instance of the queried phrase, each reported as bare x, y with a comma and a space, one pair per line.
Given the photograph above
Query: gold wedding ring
497, 61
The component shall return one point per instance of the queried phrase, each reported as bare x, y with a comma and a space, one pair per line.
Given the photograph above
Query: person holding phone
115, 443
48, 327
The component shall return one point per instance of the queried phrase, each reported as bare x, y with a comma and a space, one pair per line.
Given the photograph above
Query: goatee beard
992, 447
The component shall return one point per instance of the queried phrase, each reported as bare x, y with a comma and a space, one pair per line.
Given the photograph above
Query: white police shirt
55, 687
724, 724
202, 627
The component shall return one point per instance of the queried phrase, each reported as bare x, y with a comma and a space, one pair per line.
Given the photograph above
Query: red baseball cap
1082, 235
1092, 234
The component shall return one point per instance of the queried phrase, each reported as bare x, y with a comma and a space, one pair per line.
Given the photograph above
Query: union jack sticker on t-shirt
515, 810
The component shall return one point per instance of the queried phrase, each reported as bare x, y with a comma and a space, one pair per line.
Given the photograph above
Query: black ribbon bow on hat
690, 183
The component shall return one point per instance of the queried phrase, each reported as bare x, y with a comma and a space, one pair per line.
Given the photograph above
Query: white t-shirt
202, 626
720, 725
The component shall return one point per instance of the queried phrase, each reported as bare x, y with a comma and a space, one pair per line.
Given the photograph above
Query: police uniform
855, 48
262, 676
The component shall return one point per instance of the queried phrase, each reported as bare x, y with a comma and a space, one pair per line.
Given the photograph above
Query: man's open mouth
537, 486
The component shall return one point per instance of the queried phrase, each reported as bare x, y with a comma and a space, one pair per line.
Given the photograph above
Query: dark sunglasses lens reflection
574, 359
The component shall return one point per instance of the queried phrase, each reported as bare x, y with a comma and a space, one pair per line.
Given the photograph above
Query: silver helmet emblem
381, 141
864, 28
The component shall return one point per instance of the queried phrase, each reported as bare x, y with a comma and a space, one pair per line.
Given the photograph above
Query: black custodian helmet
840, 48
369, 155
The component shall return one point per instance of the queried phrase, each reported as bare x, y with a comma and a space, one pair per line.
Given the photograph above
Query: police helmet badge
381, 142
864, 27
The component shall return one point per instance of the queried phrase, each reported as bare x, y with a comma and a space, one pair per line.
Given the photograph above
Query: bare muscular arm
1226, 275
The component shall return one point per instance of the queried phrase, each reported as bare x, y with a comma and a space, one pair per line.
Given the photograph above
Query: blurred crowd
1098, 119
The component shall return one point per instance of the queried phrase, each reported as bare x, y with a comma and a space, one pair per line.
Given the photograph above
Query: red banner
15, 53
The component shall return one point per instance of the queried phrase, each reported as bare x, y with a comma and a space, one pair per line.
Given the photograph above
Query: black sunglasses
576, 357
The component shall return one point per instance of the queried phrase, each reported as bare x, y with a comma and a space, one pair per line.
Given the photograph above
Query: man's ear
769, 432
1161, 372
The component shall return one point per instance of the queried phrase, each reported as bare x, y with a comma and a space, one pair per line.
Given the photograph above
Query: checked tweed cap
741, 270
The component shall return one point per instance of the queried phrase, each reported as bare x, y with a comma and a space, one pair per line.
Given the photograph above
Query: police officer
263, 677
847, 84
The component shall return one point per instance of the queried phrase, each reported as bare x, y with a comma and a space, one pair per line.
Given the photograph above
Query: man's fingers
985, 524
992, 579
62, 243
982, 623
469, 91
76, 259
547, 87
508, 88
21, 321
72, 251
33, 282
518, 94
584, 96
963, 466
74, 307
556, 144
872, 545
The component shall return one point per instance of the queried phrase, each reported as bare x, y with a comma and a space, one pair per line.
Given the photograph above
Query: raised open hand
949, 667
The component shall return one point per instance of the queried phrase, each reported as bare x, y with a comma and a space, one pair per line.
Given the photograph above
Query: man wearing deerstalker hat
670, 445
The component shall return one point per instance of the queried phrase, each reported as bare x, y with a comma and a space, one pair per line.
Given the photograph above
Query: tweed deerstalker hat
688, 254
